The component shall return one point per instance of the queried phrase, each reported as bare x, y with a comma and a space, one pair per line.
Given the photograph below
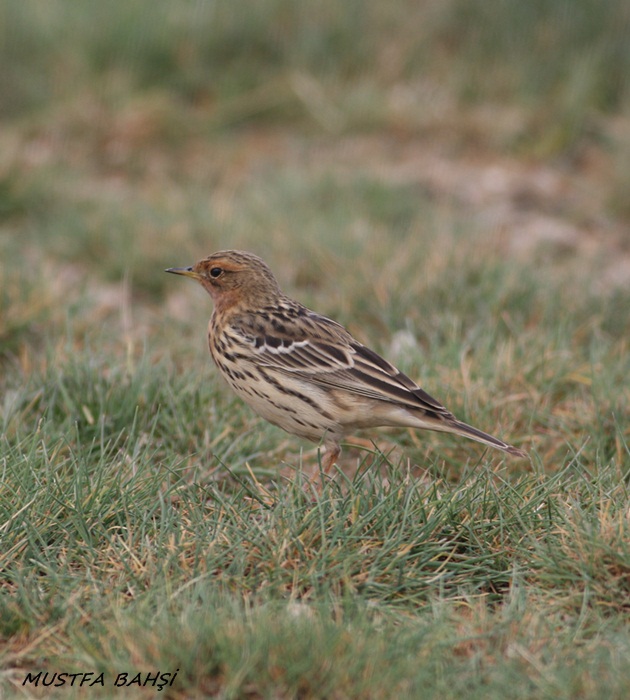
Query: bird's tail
468, 431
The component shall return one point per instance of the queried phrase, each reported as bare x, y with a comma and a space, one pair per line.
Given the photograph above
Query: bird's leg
331, 454
329, 457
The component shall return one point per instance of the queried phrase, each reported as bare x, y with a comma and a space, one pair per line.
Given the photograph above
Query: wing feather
333, 359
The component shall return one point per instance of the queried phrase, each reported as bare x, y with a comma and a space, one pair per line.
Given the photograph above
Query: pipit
304, 372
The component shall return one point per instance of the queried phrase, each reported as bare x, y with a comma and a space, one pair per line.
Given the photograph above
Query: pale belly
301, 409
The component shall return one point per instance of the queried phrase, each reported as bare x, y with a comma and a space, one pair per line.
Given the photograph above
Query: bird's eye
216, 272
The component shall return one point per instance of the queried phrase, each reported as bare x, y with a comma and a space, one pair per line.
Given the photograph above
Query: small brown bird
302, 371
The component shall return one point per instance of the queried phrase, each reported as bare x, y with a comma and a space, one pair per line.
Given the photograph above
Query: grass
379, 586
148, 521
342, 66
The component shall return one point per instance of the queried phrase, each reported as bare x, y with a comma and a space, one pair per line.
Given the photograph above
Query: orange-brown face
232, 277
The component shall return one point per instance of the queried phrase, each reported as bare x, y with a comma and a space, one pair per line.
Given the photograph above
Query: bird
304, 372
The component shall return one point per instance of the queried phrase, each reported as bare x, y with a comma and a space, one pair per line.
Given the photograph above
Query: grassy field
448, 182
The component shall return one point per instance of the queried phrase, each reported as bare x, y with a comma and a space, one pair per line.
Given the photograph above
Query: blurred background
435, 175
136, 127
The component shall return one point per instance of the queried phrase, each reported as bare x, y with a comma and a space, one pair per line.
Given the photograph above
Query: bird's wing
326, 354
374, 376
308, 344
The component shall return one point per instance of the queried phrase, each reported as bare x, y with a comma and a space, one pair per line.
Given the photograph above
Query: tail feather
468, 431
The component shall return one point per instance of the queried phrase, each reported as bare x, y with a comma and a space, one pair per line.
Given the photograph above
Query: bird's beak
186, 271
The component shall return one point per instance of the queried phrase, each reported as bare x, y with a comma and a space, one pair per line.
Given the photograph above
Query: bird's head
234, 278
